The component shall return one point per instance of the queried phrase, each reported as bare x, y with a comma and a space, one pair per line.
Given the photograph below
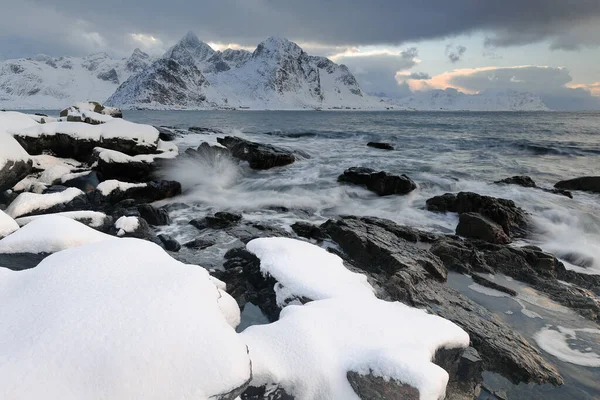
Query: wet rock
476, 226
219, 220
380, 145
511, 218
521, 180
267, 392
404, 271
560, 192
492, 285
246, 283
13, 172
126, 171
166, 134
370, 387
200, 129
199, 244
465, 368
382, 250
584, 183
169, 243
246, 232
259, 156
152, 191
86, 183
154, 216
382, 183
308, 231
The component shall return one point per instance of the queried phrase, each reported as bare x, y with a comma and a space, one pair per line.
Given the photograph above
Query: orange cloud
594, 88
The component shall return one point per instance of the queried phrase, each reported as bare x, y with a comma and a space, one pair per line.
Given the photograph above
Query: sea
442, 152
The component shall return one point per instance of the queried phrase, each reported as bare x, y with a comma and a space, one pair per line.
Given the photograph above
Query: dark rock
492, 285
308, 231
382, 250
476, 226
585, 183
55, 189
511, 218
142, 231
268, 392
561, 192
199, 244
382, 183
169, 243
166, 134
247, 284
465, 368
259, 156
13, 172
130, 171
521, 180
246, 232
200, 129
86, 183
400, 270
371, 387
152, 191
154, 216
382, 146
219, 220
79, 203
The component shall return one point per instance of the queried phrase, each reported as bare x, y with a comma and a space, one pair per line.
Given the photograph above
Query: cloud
419, 76
550, 83
593, 88
376, 71
455, 53
346, 23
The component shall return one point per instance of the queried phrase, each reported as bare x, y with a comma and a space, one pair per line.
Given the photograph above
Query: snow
54, 174
311, 347
10, 150
115, 128
230, 309
7, 225
96, 219
107, 187
126, 225
45, 161
556, 342
68, 177
88, 114
118, 319
26, 203
11, 120
305, 270
168, 151
49, 234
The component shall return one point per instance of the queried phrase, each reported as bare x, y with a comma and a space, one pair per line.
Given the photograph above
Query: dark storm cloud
419, 76
333, 22
455, 53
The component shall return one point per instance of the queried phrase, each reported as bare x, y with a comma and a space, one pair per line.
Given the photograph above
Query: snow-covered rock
7, 225
118, 319
49, 234
454, 100
93, 219
45, 82
312, 348
127, 225
15, 163
34, 203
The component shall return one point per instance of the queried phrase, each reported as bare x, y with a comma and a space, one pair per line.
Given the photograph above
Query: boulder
166, 134
476, 226
382, 183
134, 227
369, 387
218, 220
115, 165
12, 172
585, 183
260, 156
154, 216
199, 244
139, 193
86, 183
380, 145
521, 180
27, 204
309, 231
505, 213
169, 243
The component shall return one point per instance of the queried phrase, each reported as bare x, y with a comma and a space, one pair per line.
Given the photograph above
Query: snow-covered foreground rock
117, 320
15, 162
312, 348
7, 225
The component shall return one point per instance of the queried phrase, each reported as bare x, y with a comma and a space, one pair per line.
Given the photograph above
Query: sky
394, 47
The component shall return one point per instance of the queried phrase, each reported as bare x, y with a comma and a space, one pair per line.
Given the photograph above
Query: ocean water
441, 152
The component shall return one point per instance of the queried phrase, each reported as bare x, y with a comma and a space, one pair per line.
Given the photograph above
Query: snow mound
11, 120
107, 187
127, 225
27, 203
305, 270
116, 320
95, 219
7, 225
309, 351
112, 156
49, 234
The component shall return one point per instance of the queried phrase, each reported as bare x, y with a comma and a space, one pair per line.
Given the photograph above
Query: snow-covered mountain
53, 82
454, 100
277, 75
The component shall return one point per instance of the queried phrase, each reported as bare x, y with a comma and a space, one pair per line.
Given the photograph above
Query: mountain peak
190, 50
190, 39
137, 53
275, 45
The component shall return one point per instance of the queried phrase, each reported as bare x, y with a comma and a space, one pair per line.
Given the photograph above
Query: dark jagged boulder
169, 243
521, 180
259, 156
267, 392
380, 145
145, 193
505, 213
369, 386
476, 226
402, 270
382, 183
11, 172
199, 244
218, 220
154, 216
308, 231
584, 183
126, 170
166, 134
